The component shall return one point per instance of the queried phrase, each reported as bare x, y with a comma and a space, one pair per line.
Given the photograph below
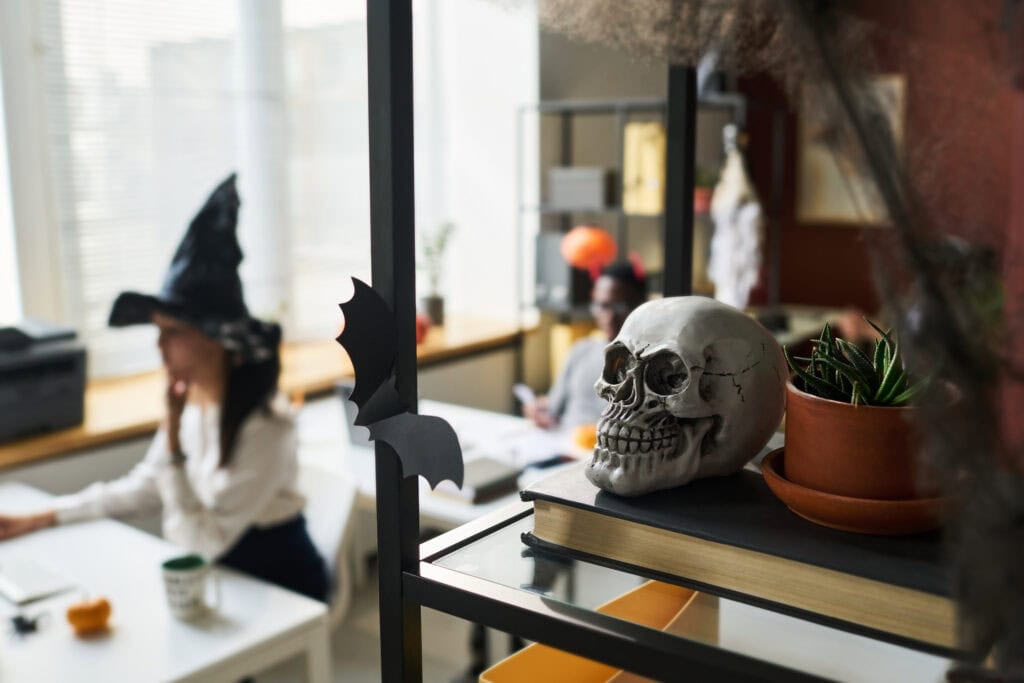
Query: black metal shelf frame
591, 634
405, 582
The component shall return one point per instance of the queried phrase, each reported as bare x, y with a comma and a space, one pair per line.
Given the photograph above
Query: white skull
695, 388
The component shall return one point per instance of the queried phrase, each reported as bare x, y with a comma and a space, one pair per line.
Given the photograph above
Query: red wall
958, 143
1013, 415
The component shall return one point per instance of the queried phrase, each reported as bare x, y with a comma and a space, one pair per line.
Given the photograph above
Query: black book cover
741, 511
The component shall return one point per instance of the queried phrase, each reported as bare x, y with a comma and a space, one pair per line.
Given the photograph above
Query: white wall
487, 60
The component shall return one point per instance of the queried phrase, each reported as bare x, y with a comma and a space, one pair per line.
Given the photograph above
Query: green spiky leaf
839, 370
859, 360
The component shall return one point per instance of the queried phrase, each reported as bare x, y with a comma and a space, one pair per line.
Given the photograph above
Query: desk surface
126, 407
145, 642
323, 438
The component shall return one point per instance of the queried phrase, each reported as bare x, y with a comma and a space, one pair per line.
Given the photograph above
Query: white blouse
206, 508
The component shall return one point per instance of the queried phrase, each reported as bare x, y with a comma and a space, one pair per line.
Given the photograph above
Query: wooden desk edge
75, 439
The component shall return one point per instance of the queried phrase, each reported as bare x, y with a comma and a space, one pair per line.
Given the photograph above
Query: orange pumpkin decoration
89, 616
589, 248
585, 436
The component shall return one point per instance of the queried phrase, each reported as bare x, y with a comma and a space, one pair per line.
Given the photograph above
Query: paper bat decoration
427, 446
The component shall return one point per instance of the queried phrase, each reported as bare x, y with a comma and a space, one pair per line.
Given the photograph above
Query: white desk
257, 625
323, 437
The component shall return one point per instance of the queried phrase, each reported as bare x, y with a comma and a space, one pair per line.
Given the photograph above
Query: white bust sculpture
695, 388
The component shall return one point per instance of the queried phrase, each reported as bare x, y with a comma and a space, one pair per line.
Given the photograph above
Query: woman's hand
16, 525
177, 392
540, 413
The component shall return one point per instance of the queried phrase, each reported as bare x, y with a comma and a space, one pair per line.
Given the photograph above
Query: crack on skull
739, 389
733, 375
737, 373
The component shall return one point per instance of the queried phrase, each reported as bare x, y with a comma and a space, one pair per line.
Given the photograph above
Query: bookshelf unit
621, 112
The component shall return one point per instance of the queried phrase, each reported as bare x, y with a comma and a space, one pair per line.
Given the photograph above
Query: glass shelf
491, 563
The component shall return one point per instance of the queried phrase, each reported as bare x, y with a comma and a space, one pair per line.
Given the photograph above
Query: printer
42, 379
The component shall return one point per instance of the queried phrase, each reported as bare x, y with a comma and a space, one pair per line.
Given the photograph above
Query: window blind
141, 109
10, 304
139, 116
141, 104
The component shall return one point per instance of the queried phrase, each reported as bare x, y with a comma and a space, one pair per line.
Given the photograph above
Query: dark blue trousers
283, 554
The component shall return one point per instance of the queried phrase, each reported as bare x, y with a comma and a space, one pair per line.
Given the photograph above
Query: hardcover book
731, 536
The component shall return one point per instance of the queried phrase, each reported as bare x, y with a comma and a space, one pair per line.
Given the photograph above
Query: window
328, 159
139, 128
144, 107
10, 300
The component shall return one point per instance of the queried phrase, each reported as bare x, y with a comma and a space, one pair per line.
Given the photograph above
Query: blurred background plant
433, 245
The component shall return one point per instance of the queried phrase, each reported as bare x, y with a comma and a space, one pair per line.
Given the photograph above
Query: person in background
572, 401
222, 467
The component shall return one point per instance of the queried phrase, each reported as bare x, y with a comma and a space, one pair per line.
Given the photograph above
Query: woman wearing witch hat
223, 465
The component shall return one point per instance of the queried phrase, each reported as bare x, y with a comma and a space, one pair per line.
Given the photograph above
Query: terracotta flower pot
433, 306
848, 450
702, 199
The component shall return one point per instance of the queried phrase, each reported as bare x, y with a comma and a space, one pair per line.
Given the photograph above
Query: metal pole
775, 219
681, 116
620, 181
565, 158
392, 204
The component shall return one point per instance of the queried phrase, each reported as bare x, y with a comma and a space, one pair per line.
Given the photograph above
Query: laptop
24, 579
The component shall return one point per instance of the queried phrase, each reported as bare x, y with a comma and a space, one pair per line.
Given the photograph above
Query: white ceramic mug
185, 584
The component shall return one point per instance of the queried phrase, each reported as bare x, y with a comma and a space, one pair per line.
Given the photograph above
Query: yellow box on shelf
653, 604
643, 168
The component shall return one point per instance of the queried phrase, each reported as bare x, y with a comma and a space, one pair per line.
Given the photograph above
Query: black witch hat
202, 286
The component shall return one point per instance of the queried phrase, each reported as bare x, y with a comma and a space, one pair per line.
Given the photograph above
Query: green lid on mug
184, 562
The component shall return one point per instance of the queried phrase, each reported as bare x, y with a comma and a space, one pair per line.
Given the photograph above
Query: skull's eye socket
666, 374
617, 364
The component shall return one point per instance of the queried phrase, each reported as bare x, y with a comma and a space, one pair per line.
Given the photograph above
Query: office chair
330, 500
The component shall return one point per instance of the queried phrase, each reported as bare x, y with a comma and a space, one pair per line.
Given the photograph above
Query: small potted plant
849, 422
703, 188
432, 249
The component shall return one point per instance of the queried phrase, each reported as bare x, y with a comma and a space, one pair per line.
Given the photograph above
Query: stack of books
732, 537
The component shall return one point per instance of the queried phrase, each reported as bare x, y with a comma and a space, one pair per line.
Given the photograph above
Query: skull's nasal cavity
631, 392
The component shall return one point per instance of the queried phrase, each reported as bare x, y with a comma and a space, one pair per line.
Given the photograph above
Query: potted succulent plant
432, 249
848, 420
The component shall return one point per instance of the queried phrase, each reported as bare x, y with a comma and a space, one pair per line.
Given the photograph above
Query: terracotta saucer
860, 515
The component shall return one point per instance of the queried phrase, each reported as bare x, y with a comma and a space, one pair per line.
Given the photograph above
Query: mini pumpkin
89, 616
585, 436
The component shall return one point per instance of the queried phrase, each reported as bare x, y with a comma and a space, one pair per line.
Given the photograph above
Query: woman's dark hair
626, 273
248, 387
